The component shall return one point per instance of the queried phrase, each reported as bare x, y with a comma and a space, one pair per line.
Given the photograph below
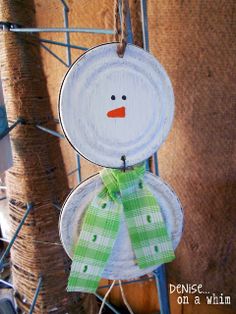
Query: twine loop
120, 26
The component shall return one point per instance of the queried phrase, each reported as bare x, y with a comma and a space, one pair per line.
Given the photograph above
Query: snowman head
111, 107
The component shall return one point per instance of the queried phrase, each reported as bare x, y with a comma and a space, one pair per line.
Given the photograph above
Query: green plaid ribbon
123, 191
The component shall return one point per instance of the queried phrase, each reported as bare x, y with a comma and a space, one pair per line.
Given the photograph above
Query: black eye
124, 97
113, 97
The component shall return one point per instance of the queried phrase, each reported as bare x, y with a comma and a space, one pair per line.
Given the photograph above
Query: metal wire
159, 273
105, 297
129, 282
65, 4
50, 131
36, 295
56, 206
6, 283
63, 30
58, 43
53, 54
107, 304
29, 208
67, 35
144, 24
8, 130
71, 172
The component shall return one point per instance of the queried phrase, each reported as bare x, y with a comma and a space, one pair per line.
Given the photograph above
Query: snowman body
122, 263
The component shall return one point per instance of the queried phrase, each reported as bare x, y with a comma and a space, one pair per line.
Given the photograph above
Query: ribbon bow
123, 191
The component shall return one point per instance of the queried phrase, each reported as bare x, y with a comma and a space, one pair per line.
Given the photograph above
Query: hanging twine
124, 298
122, 294
106, 296
121, 30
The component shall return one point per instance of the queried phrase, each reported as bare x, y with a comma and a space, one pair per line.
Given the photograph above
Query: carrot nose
116, 113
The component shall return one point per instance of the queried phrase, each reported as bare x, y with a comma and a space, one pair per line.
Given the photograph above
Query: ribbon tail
149, 237
96, 240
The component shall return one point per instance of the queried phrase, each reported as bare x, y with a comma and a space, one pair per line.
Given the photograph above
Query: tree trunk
38, 175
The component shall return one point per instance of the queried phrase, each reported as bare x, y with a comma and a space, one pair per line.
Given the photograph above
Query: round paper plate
111, 106
121, 264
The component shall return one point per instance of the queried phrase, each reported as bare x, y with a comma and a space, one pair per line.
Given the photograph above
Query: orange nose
116, 113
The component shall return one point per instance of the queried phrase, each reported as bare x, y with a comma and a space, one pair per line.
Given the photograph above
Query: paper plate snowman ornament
116, 112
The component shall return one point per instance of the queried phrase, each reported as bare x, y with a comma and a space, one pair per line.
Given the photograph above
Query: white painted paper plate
121, 264
111, 106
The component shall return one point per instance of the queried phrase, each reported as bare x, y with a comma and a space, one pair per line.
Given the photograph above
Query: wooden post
37, 175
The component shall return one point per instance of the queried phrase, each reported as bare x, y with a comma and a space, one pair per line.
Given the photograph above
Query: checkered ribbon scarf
123, 191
